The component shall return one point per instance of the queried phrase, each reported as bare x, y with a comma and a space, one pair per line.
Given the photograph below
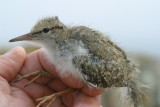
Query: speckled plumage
87, 54
106, 64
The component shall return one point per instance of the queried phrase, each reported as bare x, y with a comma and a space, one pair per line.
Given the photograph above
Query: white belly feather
62, 59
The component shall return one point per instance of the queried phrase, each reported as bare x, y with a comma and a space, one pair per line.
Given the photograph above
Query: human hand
14, 94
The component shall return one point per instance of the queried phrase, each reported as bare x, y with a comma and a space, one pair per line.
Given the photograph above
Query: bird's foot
36, 75
52, 97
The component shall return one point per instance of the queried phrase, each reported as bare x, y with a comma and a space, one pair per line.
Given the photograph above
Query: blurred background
132, 24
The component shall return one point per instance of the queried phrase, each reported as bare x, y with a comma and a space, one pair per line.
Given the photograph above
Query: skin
16, 62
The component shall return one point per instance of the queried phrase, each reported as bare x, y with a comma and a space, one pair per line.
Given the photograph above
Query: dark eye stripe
45, 30
56, 27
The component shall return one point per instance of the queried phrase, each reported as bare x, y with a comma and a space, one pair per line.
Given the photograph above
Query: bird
86, 54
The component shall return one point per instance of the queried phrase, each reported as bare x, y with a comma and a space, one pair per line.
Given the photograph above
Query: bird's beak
24, 37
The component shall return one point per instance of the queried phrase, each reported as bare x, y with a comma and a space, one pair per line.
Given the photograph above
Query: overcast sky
132, 24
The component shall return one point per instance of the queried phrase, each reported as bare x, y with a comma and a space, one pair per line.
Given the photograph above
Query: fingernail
13, 50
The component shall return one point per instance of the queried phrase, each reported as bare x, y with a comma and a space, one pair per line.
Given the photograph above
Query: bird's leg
37, 74
52, 97
49, 98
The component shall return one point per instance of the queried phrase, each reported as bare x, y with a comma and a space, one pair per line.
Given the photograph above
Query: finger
56, 103
86, 101
50, 67
80, 99
11, 62
69, 99
46, 62
33, 64
21, 98
34, 90
4, 86
92, 91
68, 80
57, 85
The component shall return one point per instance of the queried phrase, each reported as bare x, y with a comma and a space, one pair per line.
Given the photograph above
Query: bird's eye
45, 30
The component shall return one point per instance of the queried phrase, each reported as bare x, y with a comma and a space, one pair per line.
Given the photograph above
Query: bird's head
45, 29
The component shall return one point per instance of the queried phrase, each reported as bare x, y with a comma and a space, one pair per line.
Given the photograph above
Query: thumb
11, 62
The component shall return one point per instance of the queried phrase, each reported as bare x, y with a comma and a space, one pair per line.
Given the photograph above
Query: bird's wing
100, 73
98, 43
92, 69
105, 65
